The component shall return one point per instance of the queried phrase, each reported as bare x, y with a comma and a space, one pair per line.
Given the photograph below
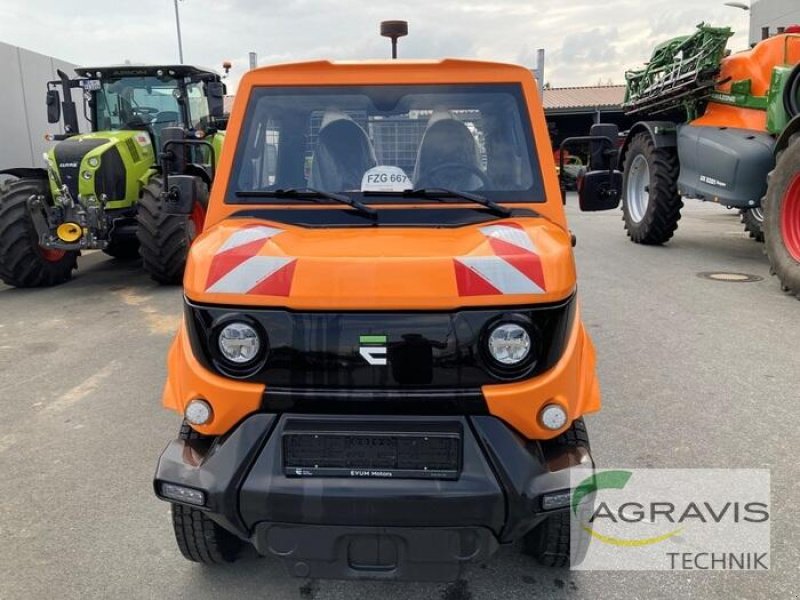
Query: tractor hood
244, 261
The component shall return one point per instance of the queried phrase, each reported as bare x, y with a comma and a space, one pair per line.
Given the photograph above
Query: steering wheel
144, 110
456, 166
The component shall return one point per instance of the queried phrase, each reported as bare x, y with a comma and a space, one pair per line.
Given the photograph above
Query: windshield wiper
435, 193
309, 193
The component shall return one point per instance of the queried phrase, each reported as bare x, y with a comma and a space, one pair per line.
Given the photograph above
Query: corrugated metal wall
23, 113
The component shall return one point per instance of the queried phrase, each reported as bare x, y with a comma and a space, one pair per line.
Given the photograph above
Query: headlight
509, 344
239, 343
93, 162
87, 175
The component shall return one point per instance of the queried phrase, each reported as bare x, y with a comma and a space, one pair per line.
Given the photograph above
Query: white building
768, 16
22, 103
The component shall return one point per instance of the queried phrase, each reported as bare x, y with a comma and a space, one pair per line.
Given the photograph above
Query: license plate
415, 451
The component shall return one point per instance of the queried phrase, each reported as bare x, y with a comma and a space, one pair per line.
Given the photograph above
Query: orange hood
514, 261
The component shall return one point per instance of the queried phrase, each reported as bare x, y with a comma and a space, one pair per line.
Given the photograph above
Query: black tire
660, 218
549, 542
126, 248
199, 538
782, 263
164, 239
22, 261
753, 219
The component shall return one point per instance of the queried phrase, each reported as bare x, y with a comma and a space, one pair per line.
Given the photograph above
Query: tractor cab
146, 98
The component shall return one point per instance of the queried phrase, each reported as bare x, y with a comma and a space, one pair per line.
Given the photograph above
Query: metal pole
540, 70
394, 48
178, 25
253, 60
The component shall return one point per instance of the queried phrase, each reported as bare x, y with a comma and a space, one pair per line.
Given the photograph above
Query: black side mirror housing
179, 199
603, 156
599, 190
215, 91
53, 106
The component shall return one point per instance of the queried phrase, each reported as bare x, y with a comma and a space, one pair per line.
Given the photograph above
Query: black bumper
335, 527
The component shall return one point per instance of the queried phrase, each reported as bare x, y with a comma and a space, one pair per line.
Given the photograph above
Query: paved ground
695, 373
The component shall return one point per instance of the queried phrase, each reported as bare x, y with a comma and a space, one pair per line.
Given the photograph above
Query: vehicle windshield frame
534, 194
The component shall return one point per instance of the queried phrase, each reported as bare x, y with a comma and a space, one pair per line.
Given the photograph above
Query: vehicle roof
448, 70
139, 70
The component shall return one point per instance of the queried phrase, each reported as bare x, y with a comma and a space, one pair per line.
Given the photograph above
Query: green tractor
154, 130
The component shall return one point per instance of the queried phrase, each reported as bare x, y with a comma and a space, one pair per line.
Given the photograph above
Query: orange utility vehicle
382, 367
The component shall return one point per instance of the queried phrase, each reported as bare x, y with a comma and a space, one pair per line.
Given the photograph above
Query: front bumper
334, 527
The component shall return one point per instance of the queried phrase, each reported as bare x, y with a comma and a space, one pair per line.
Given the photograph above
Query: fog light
556, 500
553, 417
198, 412
183, 494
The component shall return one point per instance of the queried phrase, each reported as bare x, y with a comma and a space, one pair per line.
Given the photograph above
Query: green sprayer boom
681, 72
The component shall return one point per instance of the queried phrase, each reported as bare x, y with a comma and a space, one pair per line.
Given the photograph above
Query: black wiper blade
309, 193
448, 193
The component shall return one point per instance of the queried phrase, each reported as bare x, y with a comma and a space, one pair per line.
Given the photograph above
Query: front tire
753, 220
165, 239
199, 538
782, 217
550, 541
651, 205
23, 263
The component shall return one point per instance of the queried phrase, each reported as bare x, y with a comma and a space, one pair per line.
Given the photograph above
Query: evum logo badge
373, 349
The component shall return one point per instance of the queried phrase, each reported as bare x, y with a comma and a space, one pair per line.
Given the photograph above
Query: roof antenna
394, 30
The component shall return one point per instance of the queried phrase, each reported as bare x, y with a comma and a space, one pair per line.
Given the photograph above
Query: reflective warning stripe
514, 268
500, 275
512, 234
249, 274
247, 236
237, 267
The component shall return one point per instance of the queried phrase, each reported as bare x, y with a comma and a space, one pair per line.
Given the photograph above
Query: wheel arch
786, 135
663, 133
25, 172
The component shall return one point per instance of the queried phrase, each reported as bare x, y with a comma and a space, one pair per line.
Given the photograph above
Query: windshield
371, 141
137, 102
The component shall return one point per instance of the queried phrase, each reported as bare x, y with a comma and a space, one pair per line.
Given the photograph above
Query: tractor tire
549, 542
651, 205
753, 219
23, 263
782, 217
199, 538
165, 239
126, 248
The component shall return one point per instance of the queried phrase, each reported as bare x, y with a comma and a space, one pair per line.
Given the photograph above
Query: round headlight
93, 162
509, 344
87, 175
239, 343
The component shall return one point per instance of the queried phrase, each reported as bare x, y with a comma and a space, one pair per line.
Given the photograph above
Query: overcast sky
586, 40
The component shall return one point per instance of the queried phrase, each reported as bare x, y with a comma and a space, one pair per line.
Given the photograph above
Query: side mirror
53, 106
603, 156
215, 91
179, 199
600, 190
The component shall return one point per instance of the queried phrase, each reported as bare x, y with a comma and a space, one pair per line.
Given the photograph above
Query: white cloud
585, 40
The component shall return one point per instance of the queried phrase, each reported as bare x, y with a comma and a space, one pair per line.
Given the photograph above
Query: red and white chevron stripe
237, 267
515, 267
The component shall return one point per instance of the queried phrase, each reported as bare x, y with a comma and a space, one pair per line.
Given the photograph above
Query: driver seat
447, 155
343, 154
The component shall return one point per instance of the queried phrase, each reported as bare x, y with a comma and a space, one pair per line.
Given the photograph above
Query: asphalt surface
695, 373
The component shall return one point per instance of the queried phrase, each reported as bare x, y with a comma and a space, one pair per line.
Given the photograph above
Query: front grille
314, 354
68, 155
110, 177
